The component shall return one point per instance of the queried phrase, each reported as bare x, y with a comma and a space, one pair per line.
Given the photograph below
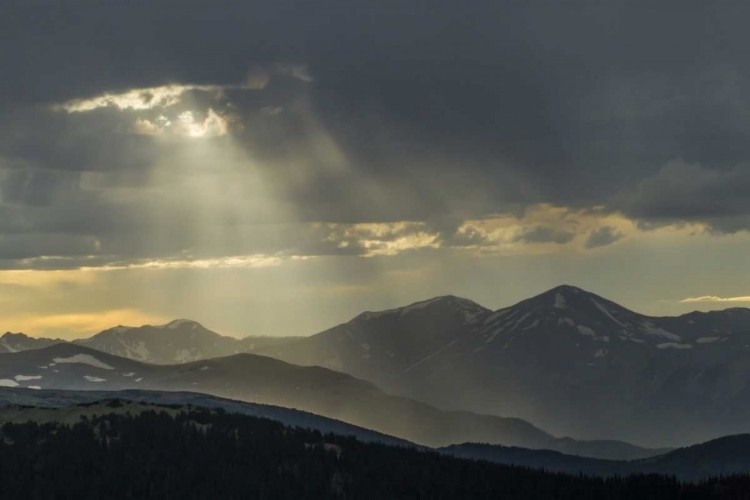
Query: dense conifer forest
196, 453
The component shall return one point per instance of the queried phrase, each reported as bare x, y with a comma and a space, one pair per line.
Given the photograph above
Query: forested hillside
176, 453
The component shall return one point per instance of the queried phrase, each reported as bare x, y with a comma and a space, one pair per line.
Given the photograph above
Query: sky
275, 168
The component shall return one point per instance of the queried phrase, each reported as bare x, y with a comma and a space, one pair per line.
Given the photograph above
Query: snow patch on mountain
707, 340
84, 359
559, 301
23, 378
532, 325
673, 345
183, 356
606, 312
6, 382
94, 379
497, 314
139, 351
585, 330
519, 321
566, 321
651, 329
4, 344
494, 334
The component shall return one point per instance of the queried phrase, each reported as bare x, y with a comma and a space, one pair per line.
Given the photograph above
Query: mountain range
570, 361
264, 380
178, 341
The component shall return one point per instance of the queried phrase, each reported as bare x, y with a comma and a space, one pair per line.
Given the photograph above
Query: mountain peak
182, 324
467, 306
566, 290
11, 335
566, 297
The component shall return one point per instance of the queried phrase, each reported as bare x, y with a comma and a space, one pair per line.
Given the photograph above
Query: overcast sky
277, 167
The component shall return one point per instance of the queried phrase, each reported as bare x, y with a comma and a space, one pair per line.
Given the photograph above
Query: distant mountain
176, 342
264, 380
570, 360
16, 342
385, 347
724, 456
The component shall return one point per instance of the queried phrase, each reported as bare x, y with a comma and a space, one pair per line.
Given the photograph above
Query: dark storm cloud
688, 192
545, 234
603, 236
385, 111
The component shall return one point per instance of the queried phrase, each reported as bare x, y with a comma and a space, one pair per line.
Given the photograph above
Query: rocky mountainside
179, 341
264, 380
387, 345
570, 360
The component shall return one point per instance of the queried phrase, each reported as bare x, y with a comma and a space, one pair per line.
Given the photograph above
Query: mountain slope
266, 380
55, 399
575, 362
120, 449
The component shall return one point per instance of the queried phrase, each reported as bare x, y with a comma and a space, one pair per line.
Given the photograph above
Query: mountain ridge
265, 380
366, 315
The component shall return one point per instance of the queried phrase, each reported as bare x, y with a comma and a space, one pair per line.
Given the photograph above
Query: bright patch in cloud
135, 99
243, 261
713, 298
186, 124
386, 238
163, 96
